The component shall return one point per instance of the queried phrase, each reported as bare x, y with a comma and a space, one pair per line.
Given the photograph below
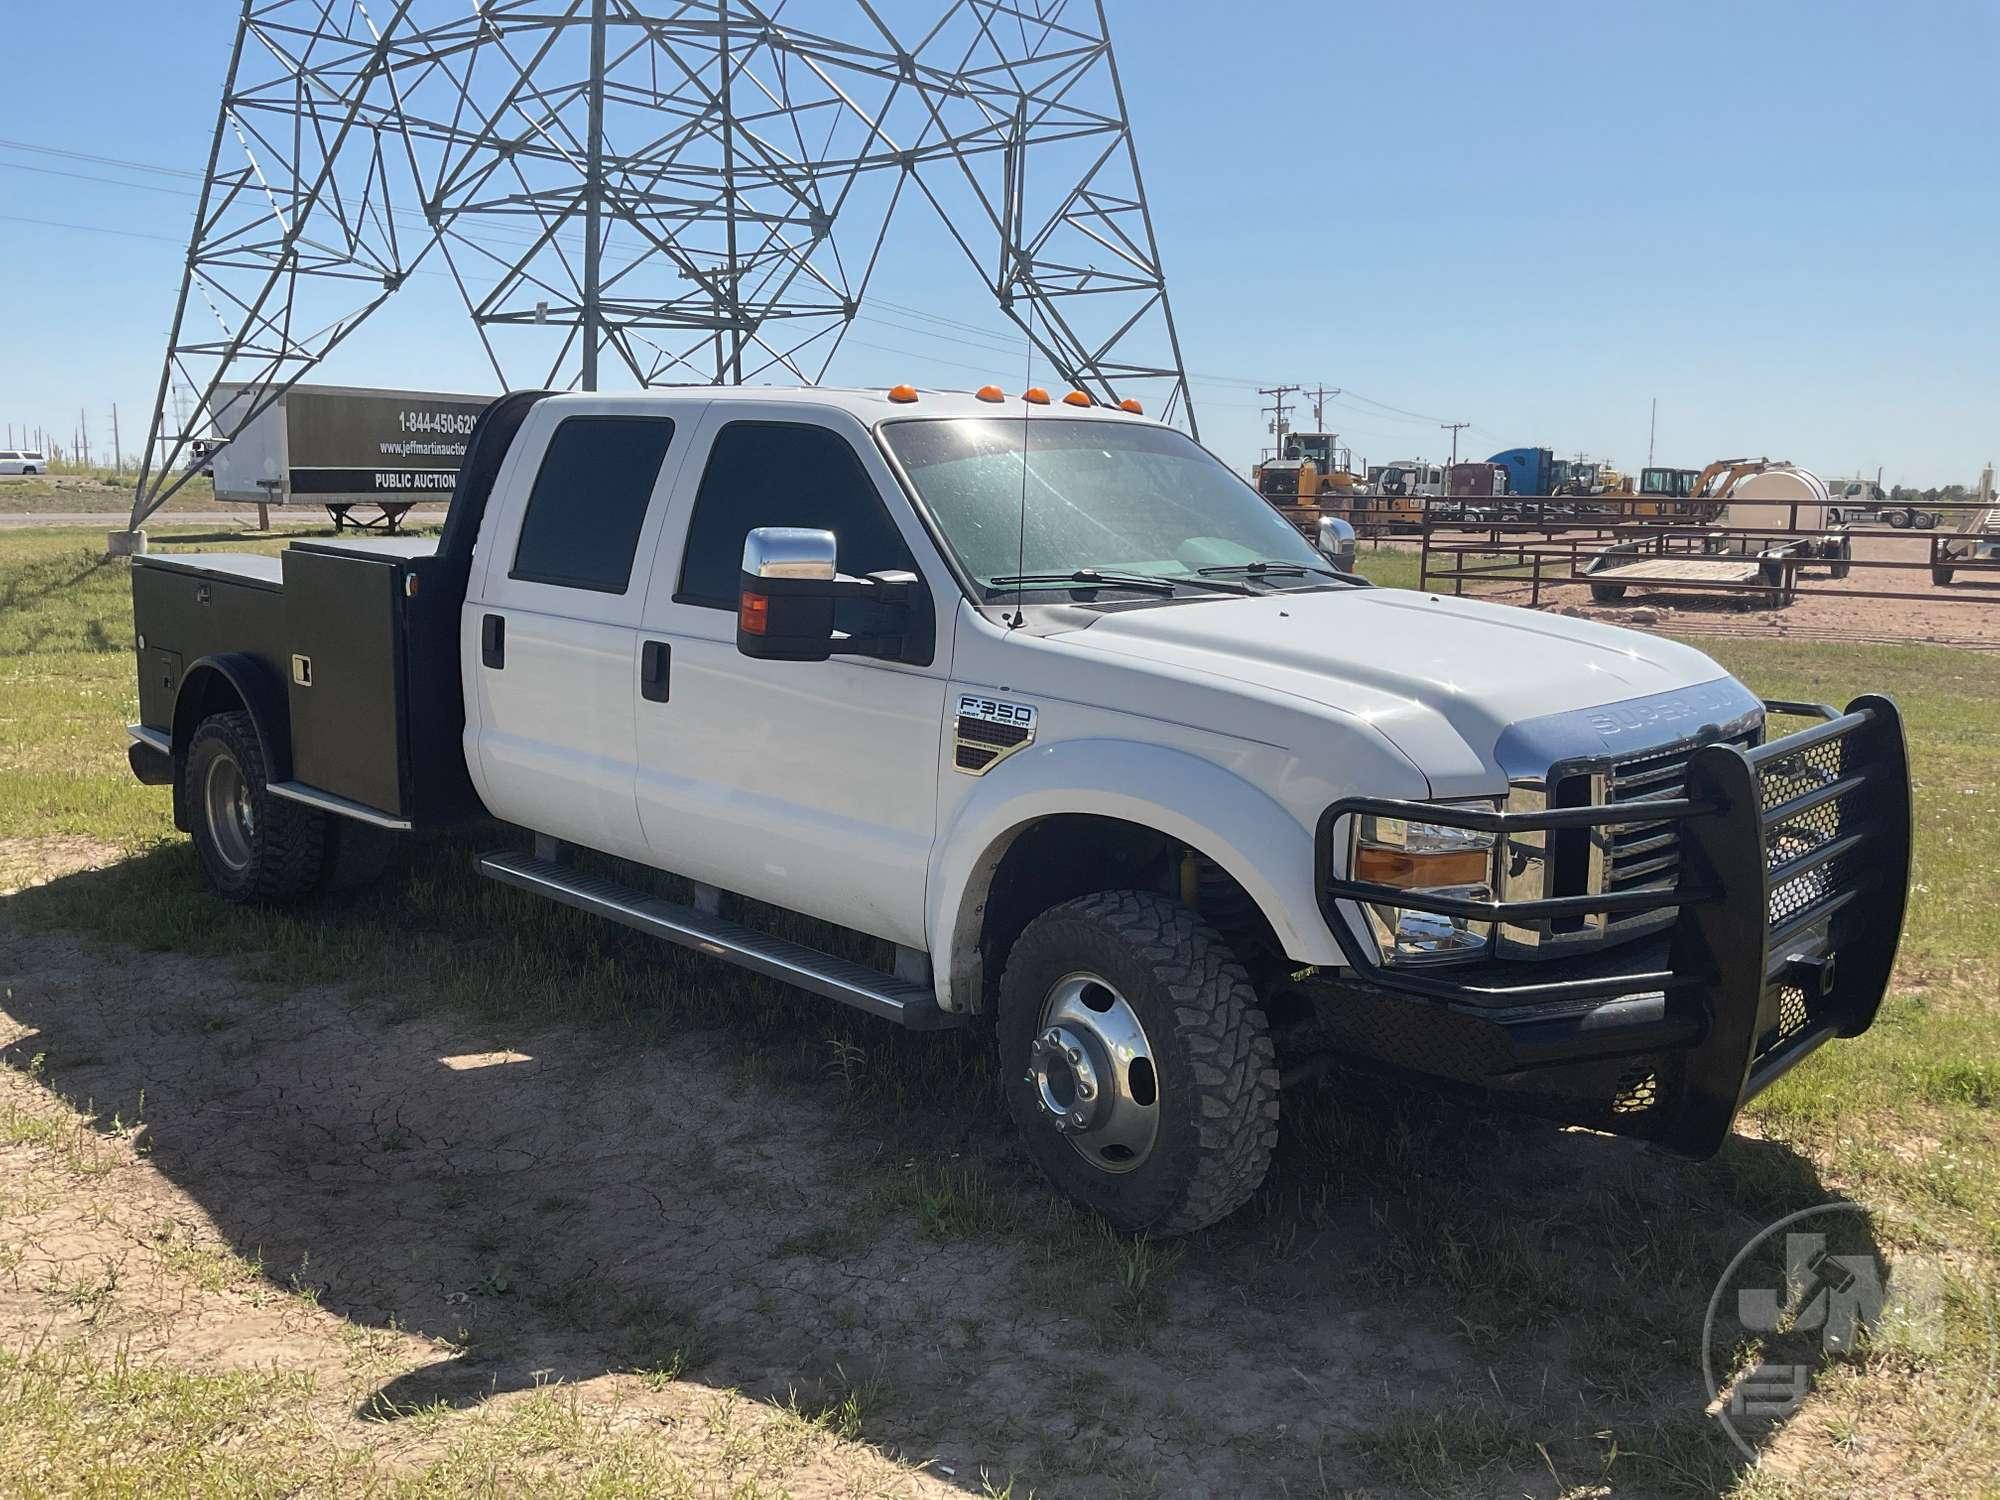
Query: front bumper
1787, 913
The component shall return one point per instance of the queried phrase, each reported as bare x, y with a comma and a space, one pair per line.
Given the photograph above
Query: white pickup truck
1059, 710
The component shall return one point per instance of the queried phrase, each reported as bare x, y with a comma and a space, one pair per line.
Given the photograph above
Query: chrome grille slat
1646, 842
1624, 873
1644, 856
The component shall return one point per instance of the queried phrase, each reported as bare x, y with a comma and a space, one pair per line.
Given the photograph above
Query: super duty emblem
989, 730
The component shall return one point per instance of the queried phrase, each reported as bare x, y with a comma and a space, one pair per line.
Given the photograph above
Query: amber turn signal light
753, 613
903, 393
1381, 866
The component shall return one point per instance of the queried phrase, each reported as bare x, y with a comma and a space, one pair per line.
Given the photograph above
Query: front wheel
1607, 593
253, 846
1137, 1063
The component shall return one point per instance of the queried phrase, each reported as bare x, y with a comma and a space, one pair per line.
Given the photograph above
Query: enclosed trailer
340, 446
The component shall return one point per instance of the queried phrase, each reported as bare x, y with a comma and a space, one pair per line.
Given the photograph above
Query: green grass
1600, 1275
98, 490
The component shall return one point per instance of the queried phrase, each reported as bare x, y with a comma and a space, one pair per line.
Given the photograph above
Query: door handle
655, 662
493, 641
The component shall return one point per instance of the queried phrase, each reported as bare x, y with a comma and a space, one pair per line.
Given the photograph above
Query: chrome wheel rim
232, 820
1092, 1070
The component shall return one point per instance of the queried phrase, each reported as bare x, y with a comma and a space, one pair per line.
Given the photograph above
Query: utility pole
1320, 397
1652, 427
117, 452
1278, 408
83, 436
1453, 429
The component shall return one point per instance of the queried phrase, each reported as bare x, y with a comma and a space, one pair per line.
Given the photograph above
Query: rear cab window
584, 516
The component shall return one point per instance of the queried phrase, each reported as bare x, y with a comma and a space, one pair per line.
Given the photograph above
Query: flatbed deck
1680, 570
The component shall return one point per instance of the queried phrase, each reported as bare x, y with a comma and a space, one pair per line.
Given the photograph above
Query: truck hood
1443, 679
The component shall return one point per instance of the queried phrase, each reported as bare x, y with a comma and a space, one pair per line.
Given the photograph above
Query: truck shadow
657, 1167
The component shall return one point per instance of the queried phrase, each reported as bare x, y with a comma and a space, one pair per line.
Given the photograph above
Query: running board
340, 807
911, 1005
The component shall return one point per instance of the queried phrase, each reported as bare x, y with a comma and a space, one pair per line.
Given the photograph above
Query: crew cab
1100, 751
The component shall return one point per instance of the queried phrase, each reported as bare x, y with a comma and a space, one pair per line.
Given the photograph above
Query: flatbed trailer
1976, 549
1726, 563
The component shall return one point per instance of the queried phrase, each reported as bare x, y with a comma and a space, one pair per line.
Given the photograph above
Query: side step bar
908, 1004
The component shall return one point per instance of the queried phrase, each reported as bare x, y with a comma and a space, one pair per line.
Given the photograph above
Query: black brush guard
1795, 861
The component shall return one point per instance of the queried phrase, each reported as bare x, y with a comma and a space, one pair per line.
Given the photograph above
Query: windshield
1107, 497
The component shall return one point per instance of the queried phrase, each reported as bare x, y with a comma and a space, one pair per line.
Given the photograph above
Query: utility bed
364, 639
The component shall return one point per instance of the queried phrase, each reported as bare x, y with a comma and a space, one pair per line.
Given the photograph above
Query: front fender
1210, 809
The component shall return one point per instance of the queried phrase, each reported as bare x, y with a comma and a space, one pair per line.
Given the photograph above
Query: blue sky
1778, 217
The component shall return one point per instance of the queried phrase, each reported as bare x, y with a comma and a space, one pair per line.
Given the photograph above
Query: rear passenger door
811, 785
551, 637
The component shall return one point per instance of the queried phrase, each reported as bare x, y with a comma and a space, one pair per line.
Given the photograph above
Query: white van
22, 461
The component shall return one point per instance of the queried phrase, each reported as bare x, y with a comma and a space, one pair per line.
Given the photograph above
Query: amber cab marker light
1131, 404
991, 393
903, 393
1078, 398
1036, 394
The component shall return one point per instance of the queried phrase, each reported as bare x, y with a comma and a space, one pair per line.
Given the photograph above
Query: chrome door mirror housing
790, 552
1336, 542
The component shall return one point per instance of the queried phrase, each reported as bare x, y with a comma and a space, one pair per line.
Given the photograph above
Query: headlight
1430, 857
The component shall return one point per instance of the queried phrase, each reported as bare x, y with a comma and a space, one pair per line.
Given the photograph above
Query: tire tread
1221, 1027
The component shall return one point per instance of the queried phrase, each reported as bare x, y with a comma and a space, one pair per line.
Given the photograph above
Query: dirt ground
1967, 613
447, 1216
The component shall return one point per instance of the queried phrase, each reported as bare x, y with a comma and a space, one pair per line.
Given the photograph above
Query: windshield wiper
1266, 570
1089, 578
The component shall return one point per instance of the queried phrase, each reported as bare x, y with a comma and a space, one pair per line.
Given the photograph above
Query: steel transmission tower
657, 191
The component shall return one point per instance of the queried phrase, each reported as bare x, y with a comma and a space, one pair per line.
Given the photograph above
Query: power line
130, 234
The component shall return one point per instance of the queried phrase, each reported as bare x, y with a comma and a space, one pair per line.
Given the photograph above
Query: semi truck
1084, 742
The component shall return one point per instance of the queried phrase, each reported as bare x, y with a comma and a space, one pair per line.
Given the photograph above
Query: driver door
810, 785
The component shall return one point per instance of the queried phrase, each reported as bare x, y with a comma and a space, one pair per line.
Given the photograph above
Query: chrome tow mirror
1336, 542
784, 609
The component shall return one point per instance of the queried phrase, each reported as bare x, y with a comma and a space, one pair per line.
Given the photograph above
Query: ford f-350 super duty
1049, 702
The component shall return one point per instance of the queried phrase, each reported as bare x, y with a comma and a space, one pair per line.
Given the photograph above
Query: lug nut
1073, 1055
1077, 1120
1084, 1090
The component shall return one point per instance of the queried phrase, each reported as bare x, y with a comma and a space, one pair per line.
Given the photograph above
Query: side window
782, 474
589, 502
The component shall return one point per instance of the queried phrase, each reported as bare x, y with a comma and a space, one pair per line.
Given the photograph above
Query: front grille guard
1794, 873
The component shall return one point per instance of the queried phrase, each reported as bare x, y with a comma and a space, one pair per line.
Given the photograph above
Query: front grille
1641, 856
1627, 857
